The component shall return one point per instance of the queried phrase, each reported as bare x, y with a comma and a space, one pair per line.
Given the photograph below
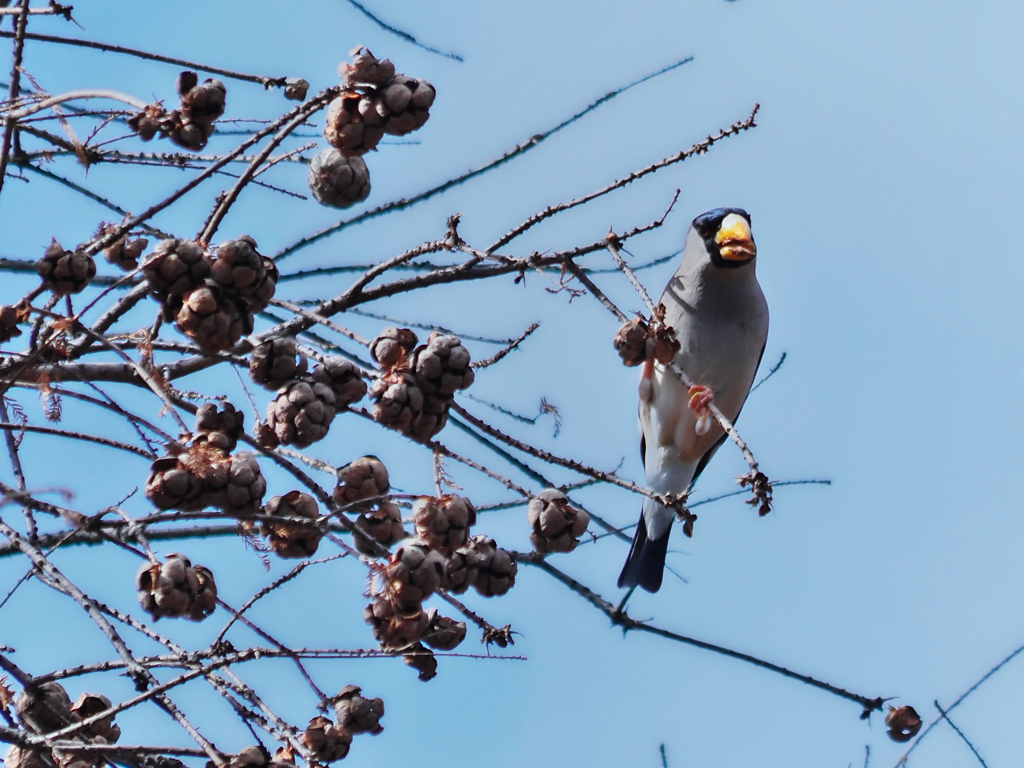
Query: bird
720, 318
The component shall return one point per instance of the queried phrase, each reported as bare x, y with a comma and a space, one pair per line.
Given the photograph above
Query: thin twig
959, 733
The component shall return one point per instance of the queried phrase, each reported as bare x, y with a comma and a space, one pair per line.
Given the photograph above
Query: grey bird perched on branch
720, 317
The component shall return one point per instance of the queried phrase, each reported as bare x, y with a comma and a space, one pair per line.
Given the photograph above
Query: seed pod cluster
275, 362
304, 408
902, 723
219, 426
10, 316
293, 539
363, 478
444, 523
192, 123
89, 704
257, 756
556, 525
422, 659
443, 634
176, 588
125, 251
414, 572
381, 524
65, 272
638, 341
395, 624
325, 740
337, 180
417, 386
357, 714
211, 296
46, 707
483, 565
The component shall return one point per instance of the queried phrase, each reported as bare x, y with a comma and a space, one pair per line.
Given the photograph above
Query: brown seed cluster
211, 296
125, 251
556, 525
422, 659
176, 588
46, 707
337, 180
192, 123
219, 426
275, 362
903, 723
417, 385
638, 341
259, 757
363, 478
65, 272
444, 523
10, 316
325, 740
380, 525
305, 407
492, 569
357, 714
293, 539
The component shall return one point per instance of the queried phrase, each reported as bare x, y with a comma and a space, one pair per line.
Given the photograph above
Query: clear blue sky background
884, 185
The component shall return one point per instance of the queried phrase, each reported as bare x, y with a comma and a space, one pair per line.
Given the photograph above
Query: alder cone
460, 571
357, 714
363, 478
405, 104
354, 126
422, 659
234, 484
496, 568
415, 571
275, 362
173, 485
444, 523
293, 539
65, 272
631, 342
177, 589
9, 323
443, 634
295, 88
366, 69
327, 741
45, 706
202, 102
174, 268
903, 723
259, 757
338, 181
397, 401
124, 252
219, 426
393, 347
343, 377
302, 413
382, 524
395, 625
19, 757
240, 270
442, 366
212, 320
556, 525
90, 704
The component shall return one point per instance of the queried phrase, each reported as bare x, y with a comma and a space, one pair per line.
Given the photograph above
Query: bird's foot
700, 398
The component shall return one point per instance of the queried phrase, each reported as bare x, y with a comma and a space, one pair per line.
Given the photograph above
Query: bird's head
726, 236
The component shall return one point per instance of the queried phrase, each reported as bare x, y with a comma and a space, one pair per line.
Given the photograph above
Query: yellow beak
735, 243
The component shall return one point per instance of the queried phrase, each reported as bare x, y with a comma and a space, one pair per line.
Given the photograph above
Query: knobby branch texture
157, 351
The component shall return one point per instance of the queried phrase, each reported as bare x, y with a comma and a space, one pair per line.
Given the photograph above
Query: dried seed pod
443, 634
295, 88
393, 347
174, 268
444, 523
172, 484
21, 757
265, 435
215, 322
363, 478
395, 625
354, 126
382, 524
124, 252
90, 704
431, 419
460, 571
405, 103
219, 427
903, 723
663, 345
301, 413
343, 377
45, 706
275, 362
556, 525
176, 588
496, 567
415, 571
239, 269
65, 272
9, 318
202, 102
442, 366
357, 714
397, 400
147, 123
337, 180
293, 539
631, 342
188, 134
251, 757
422, 659
235, 484
325, 740
366, 69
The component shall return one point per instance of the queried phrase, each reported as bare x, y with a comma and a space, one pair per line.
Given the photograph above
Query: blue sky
884, 185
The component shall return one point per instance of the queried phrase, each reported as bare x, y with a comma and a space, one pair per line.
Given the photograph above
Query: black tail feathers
645, 565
